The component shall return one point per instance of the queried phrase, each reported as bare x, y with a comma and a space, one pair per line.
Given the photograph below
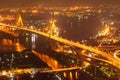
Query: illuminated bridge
108, 58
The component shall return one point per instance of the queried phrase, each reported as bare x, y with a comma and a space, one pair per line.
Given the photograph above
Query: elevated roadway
113, 61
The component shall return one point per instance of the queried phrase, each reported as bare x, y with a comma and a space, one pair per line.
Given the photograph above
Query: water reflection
33, 39
50, 61
8, 45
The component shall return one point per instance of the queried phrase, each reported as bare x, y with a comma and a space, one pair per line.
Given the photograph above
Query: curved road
113, 61
116, 53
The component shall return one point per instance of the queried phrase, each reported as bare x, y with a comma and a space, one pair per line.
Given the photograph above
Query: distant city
60, 42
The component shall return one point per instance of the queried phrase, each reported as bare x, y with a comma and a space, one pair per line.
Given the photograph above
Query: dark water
79, 26
70, 27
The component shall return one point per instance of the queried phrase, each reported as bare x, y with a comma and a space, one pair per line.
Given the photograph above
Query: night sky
27, 3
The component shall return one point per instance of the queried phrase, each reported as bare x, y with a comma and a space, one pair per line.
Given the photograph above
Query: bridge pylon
19, 21
53, 30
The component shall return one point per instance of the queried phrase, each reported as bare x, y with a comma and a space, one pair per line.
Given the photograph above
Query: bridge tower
19, 21
54, 31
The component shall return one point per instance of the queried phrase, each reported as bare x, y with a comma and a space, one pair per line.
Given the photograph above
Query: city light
105, 31
60, 40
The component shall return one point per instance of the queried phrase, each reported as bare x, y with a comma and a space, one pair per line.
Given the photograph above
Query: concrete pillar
71, 75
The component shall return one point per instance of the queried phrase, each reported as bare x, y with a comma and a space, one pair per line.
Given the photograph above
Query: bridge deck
105, 55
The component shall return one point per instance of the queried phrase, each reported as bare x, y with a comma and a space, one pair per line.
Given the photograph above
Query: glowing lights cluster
105, 31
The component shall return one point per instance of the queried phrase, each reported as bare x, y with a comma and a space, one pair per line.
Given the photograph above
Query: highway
113, 61
35, 70
116, 55
62, 69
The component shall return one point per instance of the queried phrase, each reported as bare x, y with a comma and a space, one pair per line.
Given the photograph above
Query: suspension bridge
106, 56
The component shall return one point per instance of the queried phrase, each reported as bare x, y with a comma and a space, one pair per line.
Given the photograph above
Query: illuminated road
35, 70
62, 69
113, 61
117, 53
7, 31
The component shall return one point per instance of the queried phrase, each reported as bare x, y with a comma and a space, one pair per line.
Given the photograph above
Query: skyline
31, 3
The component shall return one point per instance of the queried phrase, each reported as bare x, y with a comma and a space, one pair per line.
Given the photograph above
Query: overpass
105, 55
